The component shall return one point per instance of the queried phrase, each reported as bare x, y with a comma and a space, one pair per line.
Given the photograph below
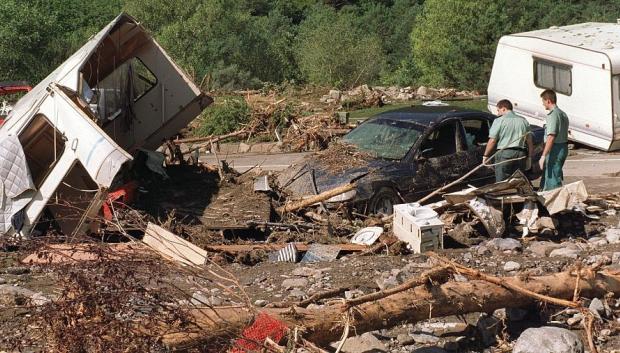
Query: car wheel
383, 201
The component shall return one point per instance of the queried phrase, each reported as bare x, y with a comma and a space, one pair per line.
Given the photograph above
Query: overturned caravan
65, 142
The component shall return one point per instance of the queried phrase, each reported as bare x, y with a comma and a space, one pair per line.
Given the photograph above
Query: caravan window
555, 76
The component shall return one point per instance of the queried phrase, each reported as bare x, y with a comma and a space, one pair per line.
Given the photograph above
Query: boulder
612, 235
365, 343
504, 244
511, 266
566, 252
294, 283
548, 340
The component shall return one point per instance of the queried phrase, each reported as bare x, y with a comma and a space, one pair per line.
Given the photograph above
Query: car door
438, 158
475, 131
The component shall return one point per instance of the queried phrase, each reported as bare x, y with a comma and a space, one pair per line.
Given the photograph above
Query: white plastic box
418, 226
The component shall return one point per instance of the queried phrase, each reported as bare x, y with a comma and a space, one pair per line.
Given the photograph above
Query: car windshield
385, 138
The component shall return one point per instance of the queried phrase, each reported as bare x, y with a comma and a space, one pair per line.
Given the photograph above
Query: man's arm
488, 149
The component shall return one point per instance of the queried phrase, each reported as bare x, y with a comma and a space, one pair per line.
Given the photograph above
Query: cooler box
419, 226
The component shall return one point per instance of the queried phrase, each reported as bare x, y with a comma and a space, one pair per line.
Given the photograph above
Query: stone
612, 235
483, 250
566, 252
442, 329
543, 248
260, 302
335, 94
39, 299
299, 294
366, 343
350, 294
504, 244
305, 272
488, 327
615, 258
598, 259
467, 257
598, 241
424, 338
17, 270
429, 350
294, 283
510, 314
548, 339
511, 266
598, 308
422, 91
3, 281
16, 295
575, 319
403, 338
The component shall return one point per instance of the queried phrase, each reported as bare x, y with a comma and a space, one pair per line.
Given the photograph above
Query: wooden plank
273, 247
173, 247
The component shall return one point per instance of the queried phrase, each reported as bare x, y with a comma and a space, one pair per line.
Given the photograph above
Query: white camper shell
119, 93
580, 62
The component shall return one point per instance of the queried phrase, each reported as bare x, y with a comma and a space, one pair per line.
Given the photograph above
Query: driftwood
210, 139
326, 195
327, 324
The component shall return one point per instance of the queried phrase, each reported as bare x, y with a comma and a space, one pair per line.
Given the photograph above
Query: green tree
332, 50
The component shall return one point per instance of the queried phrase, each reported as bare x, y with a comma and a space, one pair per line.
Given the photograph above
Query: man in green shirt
512, 136
556, 143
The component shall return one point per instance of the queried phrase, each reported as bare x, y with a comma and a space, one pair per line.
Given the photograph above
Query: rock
612, 235
598, 259
39, 299
504, 244
598, 241
598, 308
511, 266
565, 252
299, 294
424, 338
575, 319
334, 94
615, 258
403, 338
422, 91
350, 294
548, 339
543, 248
467, 257
386, 281
429, 350
17, 270
488, 327
443, 329
3, 281
260, 302
483, 250
305, 272
510, 314
15, 295
294, 283
365, 343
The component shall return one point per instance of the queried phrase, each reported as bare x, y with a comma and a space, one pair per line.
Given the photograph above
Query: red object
252, 337
14, 87
122, 196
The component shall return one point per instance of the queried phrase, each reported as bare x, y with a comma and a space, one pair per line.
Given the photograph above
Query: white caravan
64, 143
580, 62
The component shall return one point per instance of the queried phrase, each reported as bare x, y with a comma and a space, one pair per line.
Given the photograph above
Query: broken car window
390, 139
476, 132
43, 146
441, 142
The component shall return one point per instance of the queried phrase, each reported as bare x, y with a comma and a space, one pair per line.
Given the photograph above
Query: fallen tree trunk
326, 195
326, 325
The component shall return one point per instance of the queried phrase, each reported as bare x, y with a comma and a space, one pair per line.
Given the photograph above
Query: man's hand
485, 160
541, 162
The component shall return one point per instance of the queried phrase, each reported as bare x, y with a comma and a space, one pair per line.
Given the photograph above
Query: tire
383, 201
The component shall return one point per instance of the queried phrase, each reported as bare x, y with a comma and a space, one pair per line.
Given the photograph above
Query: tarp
564, 198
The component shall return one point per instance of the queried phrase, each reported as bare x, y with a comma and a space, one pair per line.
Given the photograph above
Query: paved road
600, 171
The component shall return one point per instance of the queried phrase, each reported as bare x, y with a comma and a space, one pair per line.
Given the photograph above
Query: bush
332, 51
224, 117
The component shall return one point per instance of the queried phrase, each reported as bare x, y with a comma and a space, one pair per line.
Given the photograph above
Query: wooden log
326, 195
325, 325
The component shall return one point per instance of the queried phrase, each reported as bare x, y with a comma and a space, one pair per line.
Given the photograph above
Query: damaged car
66, 143
400, 156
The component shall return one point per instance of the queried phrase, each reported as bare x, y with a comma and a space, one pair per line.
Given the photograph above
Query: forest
241, 44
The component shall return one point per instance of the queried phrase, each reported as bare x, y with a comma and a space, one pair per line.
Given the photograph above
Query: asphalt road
600, 171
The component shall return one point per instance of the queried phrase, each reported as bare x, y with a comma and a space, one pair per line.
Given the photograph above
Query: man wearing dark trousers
512, 136
556, 143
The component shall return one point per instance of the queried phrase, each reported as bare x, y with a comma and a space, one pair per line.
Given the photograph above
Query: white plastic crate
418, 226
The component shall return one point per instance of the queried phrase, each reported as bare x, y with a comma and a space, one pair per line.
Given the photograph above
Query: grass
362, 114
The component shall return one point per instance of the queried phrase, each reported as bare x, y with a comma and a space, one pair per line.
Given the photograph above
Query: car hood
314, 175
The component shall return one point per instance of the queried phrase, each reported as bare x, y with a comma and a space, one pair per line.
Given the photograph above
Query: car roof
428, 115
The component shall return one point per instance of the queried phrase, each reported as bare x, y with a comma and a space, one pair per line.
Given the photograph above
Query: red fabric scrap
253, 336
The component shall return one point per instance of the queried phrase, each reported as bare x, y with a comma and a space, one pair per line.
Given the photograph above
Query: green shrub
224, 117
